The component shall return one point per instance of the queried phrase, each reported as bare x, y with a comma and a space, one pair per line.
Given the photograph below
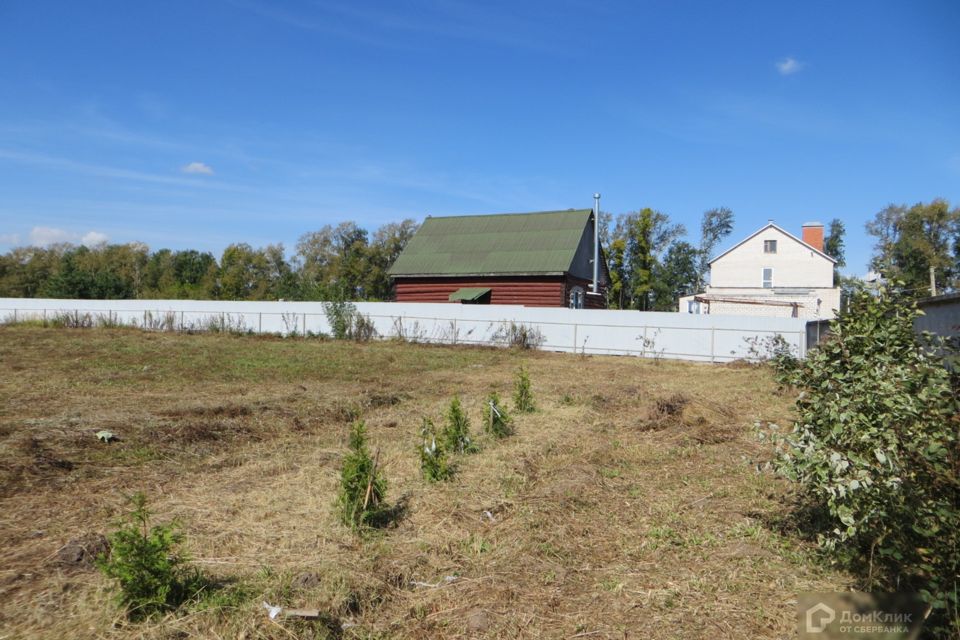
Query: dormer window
769, 246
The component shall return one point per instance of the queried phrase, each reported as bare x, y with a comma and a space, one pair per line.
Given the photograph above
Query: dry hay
583, 523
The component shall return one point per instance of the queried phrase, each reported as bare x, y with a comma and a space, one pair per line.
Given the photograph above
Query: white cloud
198, 167
43, 236
9, 238
93, 238
789, 66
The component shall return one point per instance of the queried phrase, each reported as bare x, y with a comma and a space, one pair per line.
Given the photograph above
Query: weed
522, 394
456, 433
145, 563
362, 486
518, 335
495, 419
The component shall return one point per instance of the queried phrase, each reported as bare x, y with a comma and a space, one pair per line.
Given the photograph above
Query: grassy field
626, 507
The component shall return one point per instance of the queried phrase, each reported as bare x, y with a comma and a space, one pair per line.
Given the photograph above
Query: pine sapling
495, 419
433, 455
456, 433
522, 395
362, 486
146, 565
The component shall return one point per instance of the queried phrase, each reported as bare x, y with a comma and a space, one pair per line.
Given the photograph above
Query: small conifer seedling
433, 455
362, 486
456, 433
522, 394
495, 419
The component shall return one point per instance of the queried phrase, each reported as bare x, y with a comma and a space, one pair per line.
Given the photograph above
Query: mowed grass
628, 505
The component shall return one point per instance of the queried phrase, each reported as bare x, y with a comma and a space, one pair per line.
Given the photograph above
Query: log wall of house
532, 291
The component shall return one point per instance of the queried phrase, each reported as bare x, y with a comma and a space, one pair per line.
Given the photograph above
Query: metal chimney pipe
596, 243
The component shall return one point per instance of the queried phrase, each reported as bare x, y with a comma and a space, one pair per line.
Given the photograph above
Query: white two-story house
771, 273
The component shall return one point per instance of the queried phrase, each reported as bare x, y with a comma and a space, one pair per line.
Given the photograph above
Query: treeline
342, 262
651, 260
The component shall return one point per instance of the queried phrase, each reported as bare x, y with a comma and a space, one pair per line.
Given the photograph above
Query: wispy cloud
66, 164
789, 66
45, 236
198, 168
439, 18
9, 238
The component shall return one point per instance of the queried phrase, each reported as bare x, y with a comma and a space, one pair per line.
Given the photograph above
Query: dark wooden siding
591, 301
533, 291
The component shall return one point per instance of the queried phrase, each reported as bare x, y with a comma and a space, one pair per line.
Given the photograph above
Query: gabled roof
781, 230
507, 243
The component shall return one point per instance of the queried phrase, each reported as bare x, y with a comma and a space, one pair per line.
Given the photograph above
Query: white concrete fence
704, 338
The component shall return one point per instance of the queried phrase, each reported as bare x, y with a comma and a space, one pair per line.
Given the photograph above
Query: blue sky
205, 122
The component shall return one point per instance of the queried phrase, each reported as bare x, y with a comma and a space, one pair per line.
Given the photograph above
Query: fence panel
702, 338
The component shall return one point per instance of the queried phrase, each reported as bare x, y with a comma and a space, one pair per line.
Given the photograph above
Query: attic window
769, 246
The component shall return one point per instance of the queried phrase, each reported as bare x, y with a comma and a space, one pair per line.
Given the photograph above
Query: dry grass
625, 507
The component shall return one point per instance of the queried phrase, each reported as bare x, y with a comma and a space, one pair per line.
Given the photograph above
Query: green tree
387, 243
833, 246
677, 276
646, 234
912, 240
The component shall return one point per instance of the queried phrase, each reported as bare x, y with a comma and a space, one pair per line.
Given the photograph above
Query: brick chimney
813, 235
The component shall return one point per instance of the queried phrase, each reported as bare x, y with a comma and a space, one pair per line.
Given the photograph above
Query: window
576, 297
768, 277
769, 246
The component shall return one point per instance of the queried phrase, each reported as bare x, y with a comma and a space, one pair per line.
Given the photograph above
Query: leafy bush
145, 563
433, 456
874, 452
340, 315
522, 394
495, 419
347, 323
456, 433
362, 486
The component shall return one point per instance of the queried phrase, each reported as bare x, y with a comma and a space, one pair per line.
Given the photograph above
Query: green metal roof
468, 294
506, 243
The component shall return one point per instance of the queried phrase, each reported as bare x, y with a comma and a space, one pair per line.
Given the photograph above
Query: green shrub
495, 419
346, 323
433, 456
456, 433
874, 452
522, 395
145, 563
340, 314
362, 486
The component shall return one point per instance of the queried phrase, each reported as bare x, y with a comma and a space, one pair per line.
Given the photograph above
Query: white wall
794, 264
669, 335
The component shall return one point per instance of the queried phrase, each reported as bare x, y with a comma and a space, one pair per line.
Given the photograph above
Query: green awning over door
468, 294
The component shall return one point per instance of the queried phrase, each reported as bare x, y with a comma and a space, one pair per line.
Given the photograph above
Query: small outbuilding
543, 259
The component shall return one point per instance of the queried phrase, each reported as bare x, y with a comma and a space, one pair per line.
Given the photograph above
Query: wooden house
543, 259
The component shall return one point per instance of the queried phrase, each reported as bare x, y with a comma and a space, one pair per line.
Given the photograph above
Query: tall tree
676, 276
716, 225
387, 243
911, 241
833, 246
646, 235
